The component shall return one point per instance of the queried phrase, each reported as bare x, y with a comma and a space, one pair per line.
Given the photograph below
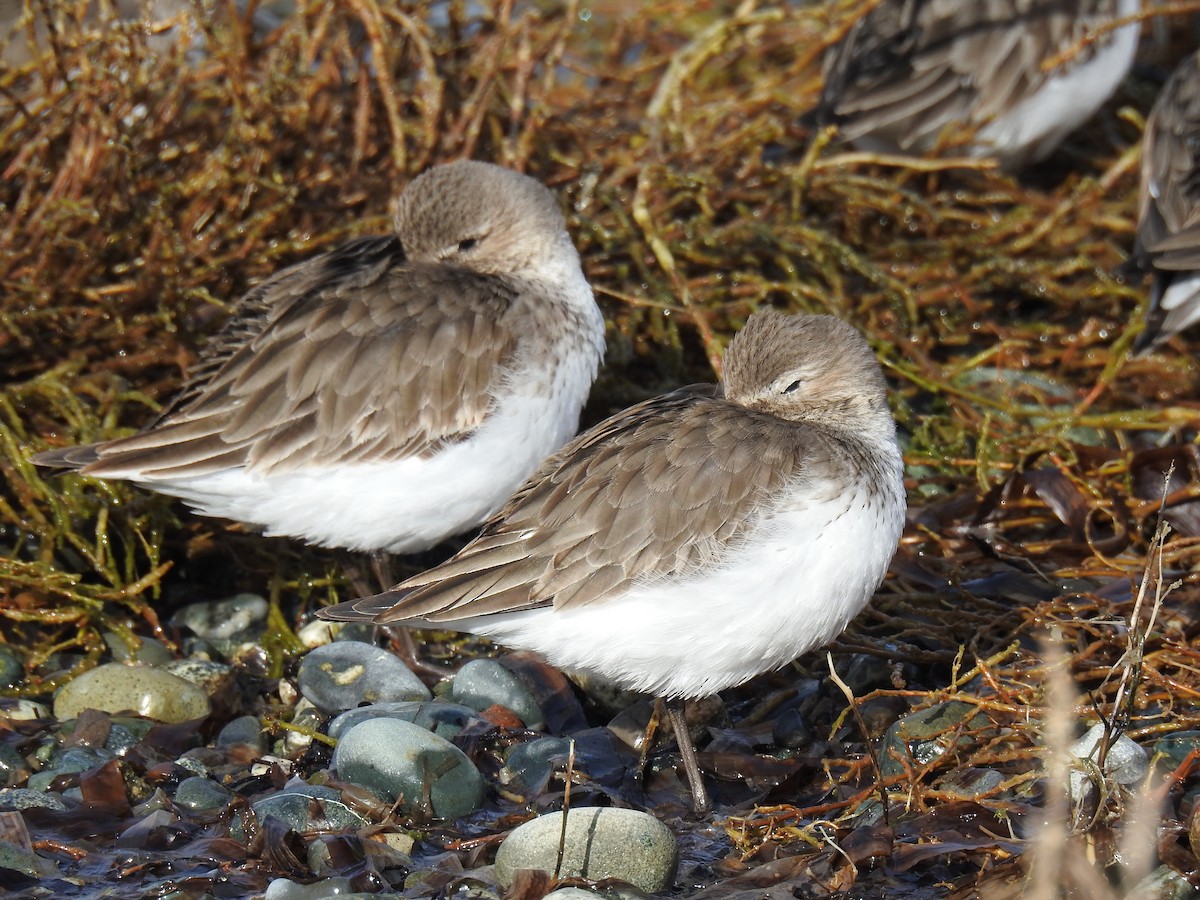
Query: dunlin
391, 393
694, 540
910, 69
1168, 232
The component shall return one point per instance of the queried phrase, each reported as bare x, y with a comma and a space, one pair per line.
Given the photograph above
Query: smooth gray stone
198, 793
12, 669
484, 682
397, 759
27, 798
69, 761
295, 806
150, 653
1164, 883
283, 889
600, 843
1126, 762
971, 782
223, 620
443, 719
243, 730
928, 734
12, 765
214, 678
529, 766
346, 674
144, 690
26, 861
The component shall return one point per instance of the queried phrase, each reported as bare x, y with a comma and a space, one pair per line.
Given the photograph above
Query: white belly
791, 591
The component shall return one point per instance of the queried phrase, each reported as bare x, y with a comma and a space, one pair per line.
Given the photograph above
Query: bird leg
701, 805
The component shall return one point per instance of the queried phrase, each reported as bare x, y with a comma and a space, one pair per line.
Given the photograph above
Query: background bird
694, 540
391, 393
1168, 232
911, 69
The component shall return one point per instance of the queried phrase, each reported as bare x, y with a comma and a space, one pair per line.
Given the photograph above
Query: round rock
600, 843
345, 674
223, 619
147, 691
397, 759
443, 719
484, 682
198, 793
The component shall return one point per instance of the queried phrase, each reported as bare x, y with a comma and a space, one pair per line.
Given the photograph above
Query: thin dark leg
701, 805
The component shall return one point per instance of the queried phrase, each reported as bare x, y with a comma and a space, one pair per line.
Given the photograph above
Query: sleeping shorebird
393, 392
697, 539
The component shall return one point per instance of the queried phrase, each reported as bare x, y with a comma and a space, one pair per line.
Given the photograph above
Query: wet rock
245, 730
345, 674
150, 652
306, 716
576, 893
13, 768
224, 620
213, 678
924, 736
529, 767
1175, 747
26, 862
970, 783
144, 690
1164, 883
306, 807
198, 793
1126, 763
397, 759
283, 889
12, 667
23, 710
443, 719
317, 633
69, 761
482, 683
600, 843
27, 798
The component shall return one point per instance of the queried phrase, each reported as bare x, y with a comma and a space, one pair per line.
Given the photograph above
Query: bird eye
467, 244
792, 388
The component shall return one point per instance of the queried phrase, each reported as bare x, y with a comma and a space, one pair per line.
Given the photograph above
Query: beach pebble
12, 668
144, 690
395, 759
214, 678
243, 730
306, 807
13, 767
223, 620
927, 735
18, 859
345, 674
1126, 763
22, 710
1175, 747
529, 766
198, 793
482, 683
283, 889
600, 843
150, 652
27, 798
443, 719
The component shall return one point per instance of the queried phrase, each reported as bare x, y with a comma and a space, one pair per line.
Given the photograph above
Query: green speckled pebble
145, 690
600, 843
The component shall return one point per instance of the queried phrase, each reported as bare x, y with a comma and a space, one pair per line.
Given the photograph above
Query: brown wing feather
654, 491
357, 352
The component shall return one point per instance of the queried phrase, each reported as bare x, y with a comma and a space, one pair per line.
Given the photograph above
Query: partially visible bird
390, 393
1168, 232
694, 540
910, 70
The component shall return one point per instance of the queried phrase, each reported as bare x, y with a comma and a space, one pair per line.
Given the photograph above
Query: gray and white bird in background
697, 539
911, 70
1168, 232
391, 393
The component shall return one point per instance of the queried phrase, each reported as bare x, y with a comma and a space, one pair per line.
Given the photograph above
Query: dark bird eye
467, 244
792, 388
